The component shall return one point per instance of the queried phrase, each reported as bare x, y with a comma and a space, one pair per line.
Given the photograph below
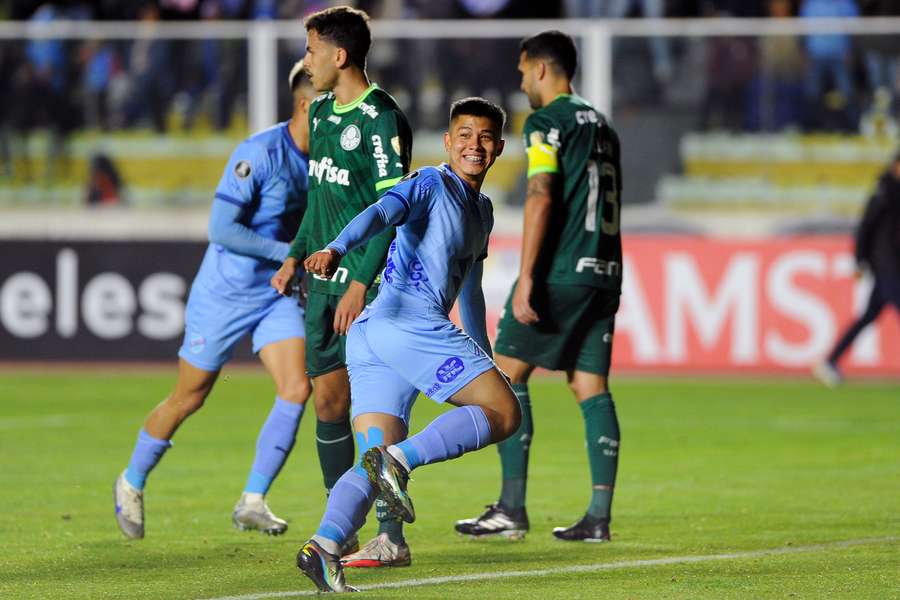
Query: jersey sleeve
541, 144
414, 191
389, 147
247, 170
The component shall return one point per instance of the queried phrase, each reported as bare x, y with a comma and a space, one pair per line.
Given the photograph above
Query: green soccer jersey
357, 151
571, 139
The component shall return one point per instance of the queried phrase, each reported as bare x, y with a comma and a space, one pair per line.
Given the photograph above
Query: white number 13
603, 178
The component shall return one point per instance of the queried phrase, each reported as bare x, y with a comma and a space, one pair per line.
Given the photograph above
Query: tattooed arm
538, 203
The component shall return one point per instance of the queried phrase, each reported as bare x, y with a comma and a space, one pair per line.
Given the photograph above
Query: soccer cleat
828, 374
322, 568
390, 479
496, 520
379, 552
253, 514
588, 529
350, 545
129, 508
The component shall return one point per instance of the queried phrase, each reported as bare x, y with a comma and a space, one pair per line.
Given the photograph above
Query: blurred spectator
730, 69
878, 252
619, 9
777, 99
829, 57
105, 185
151, 72
46, 101
880, 52
100, 65
214, 68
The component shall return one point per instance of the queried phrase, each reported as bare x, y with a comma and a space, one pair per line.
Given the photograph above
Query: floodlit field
726, 490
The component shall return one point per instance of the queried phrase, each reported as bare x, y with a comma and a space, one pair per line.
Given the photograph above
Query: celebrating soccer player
256, 212
360, 146
404, 342
560, 313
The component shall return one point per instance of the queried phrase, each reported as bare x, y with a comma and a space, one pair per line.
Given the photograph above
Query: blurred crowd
820, 82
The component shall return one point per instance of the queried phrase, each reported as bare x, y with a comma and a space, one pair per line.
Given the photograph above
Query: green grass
707, 467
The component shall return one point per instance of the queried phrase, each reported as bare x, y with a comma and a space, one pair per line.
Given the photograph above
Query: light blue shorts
213, 326
394, 355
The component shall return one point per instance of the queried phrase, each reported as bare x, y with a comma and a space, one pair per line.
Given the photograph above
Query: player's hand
352, 303
521, 302
281, 281
324, 262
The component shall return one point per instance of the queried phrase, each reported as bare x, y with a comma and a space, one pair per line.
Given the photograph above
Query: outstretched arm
390, 210
226, 230
472, 308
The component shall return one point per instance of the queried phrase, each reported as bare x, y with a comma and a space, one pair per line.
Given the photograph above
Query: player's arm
543, 172
472, 308
226, 230
392, 209
389, 162
538, 204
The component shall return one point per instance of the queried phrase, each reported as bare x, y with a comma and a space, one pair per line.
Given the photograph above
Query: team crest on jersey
242, 169
395, 144
350, 137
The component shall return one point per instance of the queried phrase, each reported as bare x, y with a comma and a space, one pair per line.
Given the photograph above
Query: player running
404, 342
360, 147
257, 210
561, 311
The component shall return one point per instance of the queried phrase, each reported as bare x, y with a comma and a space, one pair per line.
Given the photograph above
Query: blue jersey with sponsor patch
267, 176
443, 232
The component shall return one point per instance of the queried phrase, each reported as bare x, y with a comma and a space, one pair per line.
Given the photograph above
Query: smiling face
473, 144
321, 62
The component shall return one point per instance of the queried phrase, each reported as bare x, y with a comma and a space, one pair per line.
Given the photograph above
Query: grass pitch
713, 476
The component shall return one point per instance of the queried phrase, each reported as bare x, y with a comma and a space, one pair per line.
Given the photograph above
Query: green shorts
575, 330
325, 349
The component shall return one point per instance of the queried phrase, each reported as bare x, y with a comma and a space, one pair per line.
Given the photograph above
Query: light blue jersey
266, 177
404, 342
255, 214
443, 232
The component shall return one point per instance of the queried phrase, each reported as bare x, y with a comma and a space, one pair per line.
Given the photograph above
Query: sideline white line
628, 564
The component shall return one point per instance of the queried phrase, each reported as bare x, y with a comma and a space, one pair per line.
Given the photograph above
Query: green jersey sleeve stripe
386, 183
542, 169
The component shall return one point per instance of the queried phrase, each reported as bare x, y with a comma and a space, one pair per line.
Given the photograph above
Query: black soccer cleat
390, 478
588, 529
496, 520
322, 568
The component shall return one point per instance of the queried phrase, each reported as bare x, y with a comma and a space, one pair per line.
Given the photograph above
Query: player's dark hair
553, 46
346, 28
478, 107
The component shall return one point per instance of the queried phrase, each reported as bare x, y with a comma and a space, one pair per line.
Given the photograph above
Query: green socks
514, 454
334, 442
601, 430
388, 524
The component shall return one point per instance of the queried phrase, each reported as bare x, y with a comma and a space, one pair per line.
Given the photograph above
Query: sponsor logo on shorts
450, 369
196, 343
607, 338
433, 390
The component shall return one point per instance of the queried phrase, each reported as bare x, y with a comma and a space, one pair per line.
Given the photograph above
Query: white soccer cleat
251, 513
379, 552
828, 374
129, 508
